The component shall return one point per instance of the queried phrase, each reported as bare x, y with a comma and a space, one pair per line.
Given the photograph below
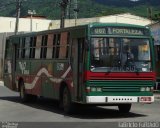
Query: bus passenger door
77, 66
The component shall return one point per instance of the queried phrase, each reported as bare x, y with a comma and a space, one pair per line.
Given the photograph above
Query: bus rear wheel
124, 108
67, 103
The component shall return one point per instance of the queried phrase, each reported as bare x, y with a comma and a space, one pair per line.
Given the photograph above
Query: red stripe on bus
120, 76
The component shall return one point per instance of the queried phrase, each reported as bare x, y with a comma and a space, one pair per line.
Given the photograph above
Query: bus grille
121, 86
120, 89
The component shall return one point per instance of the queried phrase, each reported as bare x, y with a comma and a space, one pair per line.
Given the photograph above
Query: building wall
155, 29
7, 24
123, 18
126, 18
73, 22
7, 28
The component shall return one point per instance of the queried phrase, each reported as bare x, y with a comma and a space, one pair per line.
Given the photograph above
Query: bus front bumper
119, 99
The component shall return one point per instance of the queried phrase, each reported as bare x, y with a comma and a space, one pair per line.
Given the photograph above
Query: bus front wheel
124, 108
67, 103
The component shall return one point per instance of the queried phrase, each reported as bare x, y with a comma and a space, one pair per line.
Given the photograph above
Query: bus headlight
143, 89
96, 89
148, 89
93, 89
99, 89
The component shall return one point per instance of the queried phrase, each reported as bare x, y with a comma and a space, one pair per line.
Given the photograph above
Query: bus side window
38, 46
54, 45
23, 48
18, 51
8, 49
50, 46
44, 46
32, 47
57, 45
27, 47
63, 45
8, 56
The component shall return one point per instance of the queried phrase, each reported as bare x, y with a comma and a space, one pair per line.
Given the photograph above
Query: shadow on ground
81, 112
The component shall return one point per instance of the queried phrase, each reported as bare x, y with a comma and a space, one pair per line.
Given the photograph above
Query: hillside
87, 8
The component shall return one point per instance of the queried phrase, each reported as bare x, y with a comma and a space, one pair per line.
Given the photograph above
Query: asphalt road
46, 110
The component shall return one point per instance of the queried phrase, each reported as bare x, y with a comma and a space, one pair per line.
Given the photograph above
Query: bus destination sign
119, 31
100, 31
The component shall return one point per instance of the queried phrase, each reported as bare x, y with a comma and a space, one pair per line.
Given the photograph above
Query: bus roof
95, 24
116, 24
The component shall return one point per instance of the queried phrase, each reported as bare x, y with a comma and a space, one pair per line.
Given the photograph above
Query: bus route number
99, 31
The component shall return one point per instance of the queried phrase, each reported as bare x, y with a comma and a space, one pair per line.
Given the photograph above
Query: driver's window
144, 51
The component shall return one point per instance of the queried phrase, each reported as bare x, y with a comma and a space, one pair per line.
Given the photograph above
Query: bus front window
120, 54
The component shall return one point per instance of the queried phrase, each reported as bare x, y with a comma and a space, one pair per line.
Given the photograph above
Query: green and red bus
95, 64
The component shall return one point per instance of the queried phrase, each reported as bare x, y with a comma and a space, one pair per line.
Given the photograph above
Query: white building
7, 27
118, 18
7, 24
155, 29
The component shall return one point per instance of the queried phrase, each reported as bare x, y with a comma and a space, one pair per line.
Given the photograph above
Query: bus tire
67, 103
23, 96
124, 108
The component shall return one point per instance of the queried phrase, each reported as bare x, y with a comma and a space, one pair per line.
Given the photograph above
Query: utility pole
69, 9
76, 10
18, 10
149, 11
31, 13
63, 6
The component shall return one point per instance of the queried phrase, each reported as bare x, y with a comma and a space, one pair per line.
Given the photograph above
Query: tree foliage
87, 8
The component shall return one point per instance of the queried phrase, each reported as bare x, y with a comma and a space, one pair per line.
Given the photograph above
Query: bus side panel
48, 85
35, 71
58, 70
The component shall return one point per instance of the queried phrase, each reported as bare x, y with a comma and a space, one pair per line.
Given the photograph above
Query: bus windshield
120, 55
